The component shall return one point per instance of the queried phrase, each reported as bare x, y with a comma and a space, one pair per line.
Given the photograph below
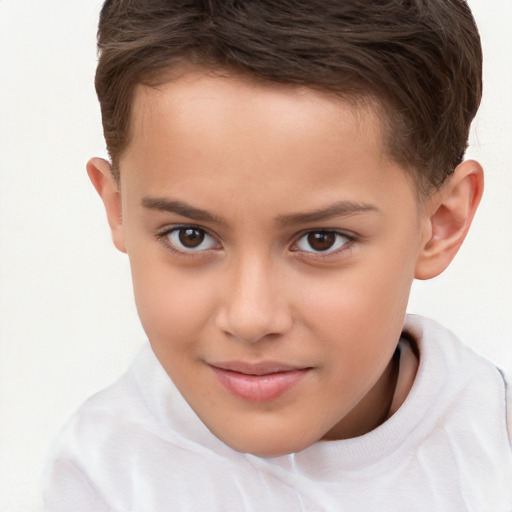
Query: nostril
251, 326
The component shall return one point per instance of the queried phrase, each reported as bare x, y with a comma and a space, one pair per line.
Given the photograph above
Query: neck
373, 409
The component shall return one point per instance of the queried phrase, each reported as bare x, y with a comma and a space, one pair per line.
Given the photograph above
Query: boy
280, 173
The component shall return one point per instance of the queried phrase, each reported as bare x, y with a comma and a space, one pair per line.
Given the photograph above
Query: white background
68, 324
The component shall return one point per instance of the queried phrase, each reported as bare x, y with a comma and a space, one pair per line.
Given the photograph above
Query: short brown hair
421, 60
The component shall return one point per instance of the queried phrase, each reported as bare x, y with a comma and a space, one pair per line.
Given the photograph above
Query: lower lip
259, 388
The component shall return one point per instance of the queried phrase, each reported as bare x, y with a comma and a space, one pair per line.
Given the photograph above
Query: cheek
354, 300
173, 306
359, 312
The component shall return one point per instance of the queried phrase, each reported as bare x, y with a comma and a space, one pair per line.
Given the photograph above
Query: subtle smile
258, 382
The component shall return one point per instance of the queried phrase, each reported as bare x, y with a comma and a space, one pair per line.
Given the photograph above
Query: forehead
225, 129
189, 97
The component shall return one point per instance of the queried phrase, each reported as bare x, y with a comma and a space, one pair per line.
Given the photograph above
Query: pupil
191, 237
321, 240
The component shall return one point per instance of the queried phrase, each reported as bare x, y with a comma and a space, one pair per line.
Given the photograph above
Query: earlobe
100, 174
451, 213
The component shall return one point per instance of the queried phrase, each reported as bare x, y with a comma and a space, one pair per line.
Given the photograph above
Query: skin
254, 170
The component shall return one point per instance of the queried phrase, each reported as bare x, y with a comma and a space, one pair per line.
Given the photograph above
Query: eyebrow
181, 208
338, 209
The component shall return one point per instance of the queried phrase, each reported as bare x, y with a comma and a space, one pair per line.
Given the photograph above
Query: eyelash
350, 239
344, 249
163, 237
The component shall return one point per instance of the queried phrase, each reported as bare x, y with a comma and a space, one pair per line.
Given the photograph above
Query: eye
190, 239
322, 241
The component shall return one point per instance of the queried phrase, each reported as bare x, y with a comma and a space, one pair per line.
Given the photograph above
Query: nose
254, 305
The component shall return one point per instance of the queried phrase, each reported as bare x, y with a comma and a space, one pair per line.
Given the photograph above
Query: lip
261, 382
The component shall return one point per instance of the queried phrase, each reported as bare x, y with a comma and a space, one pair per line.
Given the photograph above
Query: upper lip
259, 368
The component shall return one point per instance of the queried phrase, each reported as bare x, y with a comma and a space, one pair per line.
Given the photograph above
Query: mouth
262, 382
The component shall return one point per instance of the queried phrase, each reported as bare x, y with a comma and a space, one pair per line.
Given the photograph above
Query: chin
269, 445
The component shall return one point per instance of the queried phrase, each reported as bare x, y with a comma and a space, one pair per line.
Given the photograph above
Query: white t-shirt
137, 446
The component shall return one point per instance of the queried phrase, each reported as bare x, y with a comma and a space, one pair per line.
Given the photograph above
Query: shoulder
461, 380
442, 350
139, 434
458, 403
119, 404
140, 401
99, 443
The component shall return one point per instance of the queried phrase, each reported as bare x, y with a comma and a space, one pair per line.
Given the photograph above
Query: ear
100, 174
451, 212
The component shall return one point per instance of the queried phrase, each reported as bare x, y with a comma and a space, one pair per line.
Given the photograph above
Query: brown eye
191, 237
321, 240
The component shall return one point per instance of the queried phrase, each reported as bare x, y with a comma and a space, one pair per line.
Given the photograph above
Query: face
272, 244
